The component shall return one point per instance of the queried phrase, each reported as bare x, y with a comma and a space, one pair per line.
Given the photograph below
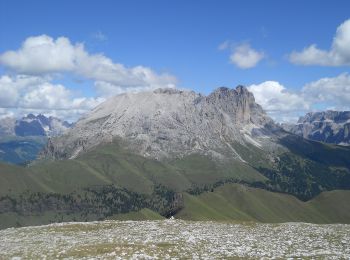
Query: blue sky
182, 39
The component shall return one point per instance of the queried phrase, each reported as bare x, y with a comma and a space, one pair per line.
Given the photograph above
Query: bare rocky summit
169, 122
327, 126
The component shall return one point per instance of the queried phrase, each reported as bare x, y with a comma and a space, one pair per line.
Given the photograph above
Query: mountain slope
110, 180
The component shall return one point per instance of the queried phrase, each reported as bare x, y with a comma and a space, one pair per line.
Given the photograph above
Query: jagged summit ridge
325, 126
169, 122
329, 115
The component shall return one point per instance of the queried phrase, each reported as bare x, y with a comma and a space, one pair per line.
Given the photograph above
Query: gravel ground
175, 239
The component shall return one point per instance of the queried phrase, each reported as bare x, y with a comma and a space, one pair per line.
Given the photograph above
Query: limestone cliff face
169, 123
327, 126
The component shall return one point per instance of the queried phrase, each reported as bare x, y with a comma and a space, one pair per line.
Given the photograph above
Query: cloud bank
42, 58
38, 94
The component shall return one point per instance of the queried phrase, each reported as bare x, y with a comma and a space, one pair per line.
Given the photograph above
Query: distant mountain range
329, 127
22, 139
32, 125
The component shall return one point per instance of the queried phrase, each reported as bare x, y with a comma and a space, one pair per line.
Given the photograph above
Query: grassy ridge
241, 203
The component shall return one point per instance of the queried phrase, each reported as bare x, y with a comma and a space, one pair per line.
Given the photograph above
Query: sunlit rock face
169, 122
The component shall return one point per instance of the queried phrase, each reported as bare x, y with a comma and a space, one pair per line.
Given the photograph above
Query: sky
63, 58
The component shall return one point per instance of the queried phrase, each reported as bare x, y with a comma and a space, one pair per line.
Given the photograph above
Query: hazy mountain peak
325, 126
336, 116
33, 125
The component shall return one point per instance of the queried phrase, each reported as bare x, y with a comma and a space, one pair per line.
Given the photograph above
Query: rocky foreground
175, 239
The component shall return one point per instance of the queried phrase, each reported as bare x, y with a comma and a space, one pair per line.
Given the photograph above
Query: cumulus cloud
36, 94
12, 87
275, 97
278, 102
285, 106
334, 92
338, 55
5, 113
9, 95
40, 59
42, 55
245, 57
242, 55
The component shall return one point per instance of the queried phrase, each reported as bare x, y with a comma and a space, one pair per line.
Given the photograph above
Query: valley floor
175, 239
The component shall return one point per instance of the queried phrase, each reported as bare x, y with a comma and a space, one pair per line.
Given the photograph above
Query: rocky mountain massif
329, 127
168, 123
172, 152
22, 139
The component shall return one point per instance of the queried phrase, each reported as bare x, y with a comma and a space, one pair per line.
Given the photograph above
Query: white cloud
284, 105
245, 57
9, 95
36, 94
42, 55
333, 92
275, 97
56, 97
338, 55
5, 113
279, 103
12, 87
40, 59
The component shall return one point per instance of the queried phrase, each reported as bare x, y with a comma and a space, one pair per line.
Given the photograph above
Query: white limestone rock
170, 123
